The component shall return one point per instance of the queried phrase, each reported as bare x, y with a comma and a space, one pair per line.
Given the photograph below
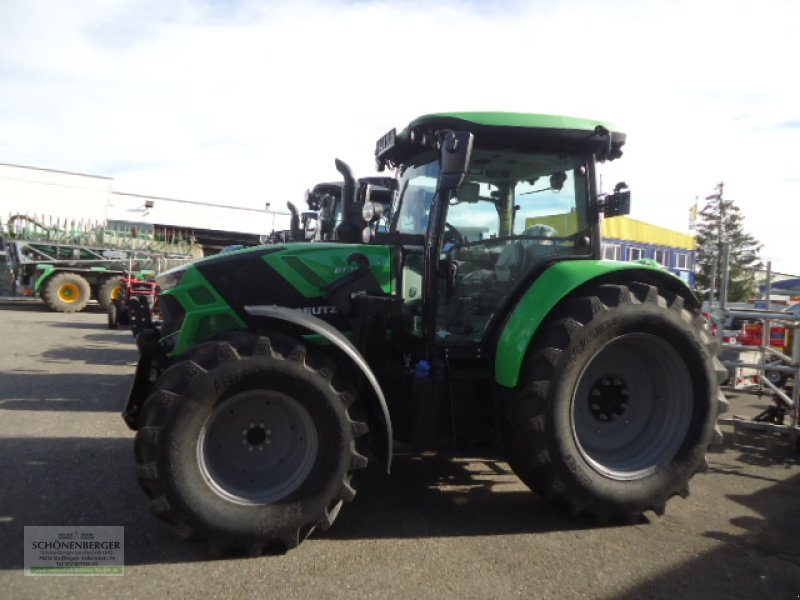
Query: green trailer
69, 266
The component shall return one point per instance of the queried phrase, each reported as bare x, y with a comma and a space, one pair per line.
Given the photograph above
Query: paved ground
435, 529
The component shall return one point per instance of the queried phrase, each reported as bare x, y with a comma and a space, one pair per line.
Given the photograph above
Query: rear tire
109, 291
66, 292
617, 402
247, 444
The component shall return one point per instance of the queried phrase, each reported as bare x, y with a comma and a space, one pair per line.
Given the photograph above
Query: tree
721, 221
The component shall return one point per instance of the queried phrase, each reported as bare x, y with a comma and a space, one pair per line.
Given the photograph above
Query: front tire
248, 444
110, 291
123, 314
113, 317
617, 402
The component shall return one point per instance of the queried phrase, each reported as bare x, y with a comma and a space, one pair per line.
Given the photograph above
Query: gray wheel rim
632, 407
257, 447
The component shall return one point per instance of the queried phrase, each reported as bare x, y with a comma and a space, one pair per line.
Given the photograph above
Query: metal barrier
786, 360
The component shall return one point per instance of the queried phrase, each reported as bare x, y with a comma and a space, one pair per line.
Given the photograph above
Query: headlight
367, 234
368, 211
170, 279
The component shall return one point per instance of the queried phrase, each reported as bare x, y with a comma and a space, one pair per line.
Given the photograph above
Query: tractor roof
516, 131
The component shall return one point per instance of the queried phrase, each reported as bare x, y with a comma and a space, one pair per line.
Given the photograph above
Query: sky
249, 101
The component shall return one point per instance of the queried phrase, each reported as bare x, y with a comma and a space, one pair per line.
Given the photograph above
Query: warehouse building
629, 239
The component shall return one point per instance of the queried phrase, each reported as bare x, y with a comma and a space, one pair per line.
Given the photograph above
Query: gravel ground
436, 528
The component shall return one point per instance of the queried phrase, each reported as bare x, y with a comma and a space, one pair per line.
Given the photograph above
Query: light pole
722, 269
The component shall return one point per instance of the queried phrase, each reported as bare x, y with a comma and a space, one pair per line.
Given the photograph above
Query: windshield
505, 194
508, 194
514, 212
417, 187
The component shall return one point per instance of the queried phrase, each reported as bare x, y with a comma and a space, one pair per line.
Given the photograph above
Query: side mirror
455, 152
618, 203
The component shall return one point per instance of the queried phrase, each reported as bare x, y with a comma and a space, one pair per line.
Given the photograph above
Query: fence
63, 232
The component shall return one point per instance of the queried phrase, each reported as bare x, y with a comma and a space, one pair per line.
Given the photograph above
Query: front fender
336, 337
550, 289
44, 271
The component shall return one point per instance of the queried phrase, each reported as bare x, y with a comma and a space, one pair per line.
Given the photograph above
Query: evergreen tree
721, 221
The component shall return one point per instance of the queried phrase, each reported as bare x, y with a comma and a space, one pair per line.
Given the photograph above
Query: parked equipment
333, 215
67, 265
136, 291
475, 316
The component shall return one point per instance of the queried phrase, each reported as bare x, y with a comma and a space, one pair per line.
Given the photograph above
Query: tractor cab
487, 201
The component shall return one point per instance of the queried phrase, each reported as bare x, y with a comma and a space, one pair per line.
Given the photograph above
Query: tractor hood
209, 295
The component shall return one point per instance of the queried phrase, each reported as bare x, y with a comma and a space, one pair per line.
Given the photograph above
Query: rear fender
337, 338
550, 289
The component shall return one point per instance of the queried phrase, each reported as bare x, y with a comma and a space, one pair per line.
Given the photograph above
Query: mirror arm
455, 151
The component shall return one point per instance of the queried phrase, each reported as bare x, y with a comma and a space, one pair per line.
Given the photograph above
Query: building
60, 196
629, 239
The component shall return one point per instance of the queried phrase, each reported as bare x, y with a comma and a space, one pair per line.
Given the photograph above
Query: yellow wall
625, 228
564, 224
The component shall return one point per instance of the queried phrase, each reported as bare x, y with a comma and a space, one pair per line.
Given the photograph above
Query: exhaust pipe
298, 235
349, 230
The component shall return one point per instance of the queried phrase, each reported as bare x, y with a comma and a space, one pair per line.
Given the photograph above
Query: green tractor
335, 208
474, 317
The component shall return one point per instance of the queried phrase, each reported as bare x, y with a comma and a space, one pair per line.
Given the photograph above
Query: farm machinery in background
335, 208
136, 304
67, 264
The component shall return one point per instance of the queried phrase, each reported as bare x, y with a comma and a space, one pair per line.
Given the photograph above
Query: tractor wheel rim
116, 293
69, 292
632, 407
257, 447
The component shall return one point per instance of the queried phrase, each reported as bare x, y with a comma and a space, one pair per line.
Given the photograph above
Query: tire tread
525, 409
195, 373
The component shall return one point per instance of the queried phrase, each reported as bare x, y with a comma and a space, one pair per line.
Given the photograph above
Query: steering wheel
452, 236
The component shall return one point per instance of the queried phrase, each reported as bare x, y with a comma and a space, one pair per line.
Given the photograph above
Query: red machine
136, 304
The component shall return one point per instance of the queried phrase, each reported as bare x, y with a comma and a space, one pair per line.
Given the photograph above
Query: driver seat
511, 263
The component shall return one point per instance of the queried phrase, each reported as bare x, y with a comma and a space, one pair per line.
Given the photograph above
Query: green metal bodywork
207, 313
311, 266
307, 267
46, 271
543, 296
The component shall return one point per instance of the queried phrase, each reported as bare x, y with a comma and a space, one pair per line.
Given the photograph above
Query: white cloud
248, 101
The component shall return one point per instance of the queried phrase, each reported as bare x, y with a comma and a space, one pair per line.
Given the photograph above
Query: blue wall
649, 251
